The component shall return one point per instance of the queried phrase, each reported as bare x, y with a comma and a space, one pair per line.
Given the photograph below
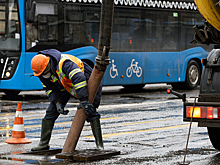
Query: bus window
189, 20
47, 28
9, 26
2, 17
73, 30
123, 30
80, 26
154, 31
31, 35
92, 19
139, 34
44, 30
64, 27
170, 32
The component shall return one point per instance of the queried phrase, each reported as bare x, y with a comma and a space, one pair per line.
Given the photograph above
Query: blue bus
150, 40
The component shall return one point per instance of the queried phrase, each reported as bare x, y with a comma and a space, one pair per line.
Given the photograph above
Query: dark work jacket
56, 88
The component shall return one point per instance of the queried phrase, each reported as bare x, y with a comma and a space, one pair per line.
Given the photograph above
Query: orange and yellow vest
66, 79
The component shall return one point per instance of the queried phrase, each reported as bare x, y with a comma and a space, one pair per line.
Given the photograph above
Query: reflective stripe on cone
18, 133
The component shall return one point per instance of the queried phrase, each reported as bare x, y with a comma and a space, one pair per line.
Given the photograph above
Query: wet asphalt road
145, 126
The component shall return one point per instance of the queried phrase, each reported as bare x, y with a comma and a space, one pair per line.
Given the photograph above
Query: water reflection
5, 127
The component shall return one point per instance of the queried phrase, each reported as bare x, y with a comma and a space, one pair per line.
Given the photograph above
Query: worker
64, 76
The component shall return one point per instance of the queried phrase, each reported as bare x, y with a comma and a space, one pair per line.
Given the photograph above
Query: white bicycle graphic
113, 70
134, 68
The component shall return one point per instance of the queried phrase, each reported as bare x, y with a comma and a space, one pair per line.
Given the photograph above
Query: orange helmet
39, 64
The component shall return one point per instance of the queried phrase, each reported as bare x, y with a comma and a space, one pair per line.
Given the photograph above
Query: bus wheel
11, 92
193, 76
214, 136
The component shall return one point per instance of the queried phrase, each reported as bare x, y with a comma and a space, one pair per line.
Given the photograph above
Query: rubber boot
96, 129
46, 131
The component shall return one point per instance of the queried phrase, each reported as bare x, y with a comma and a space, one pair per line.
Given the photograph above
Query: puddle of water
41, 158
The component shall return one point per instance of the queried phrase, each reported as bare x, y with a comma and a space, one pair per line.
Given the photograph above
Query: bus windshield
9, 26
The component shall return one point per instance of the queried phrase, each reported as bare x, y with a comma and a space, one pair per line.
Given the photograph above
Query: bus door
162, 64
161, 67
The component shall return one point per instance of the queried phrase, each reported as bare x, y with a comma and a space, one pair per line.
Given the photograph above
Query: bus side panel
31, 82
125, 68
186, 56
160, 67
88, 53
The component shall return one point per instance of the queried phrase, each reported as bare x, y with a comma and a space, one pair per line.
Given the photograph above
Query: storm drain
55, 155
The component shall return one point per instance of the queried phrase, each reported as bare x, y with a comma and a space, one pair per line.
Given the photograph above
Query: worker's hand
60, 109
87, 107
90, 111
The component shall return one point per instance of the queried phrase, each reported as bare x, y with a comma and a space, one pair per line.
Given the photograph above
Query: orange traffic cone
18, 133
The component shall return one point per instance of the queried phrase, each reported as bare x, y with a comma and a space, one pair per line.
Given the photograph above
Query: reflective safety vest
66, 79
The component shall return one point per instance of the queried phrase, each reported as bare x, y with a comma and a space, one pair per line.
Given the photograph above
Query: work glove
89, 110
60, 109
87, 107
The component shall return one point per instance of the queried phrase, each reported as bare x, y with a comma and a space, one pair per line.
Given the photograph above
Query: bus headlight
7, 74
12, 62
9, 68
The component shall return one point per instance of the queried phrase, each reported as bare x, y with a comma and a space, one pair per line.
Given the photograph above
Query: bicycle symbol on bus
134, 68
113, 70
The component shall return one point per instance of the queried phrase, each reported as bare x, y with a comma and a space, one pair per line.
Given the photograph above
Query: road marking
87, 127
6, 120
146, 122
131, 132
113, 134
39, 125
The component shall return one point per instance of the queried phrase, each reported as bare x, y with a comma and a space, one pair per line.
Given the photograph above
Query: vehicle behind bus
207, 110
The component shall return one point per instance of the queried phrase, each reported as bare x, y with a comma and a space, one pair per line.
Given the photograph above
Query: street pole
102, 61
